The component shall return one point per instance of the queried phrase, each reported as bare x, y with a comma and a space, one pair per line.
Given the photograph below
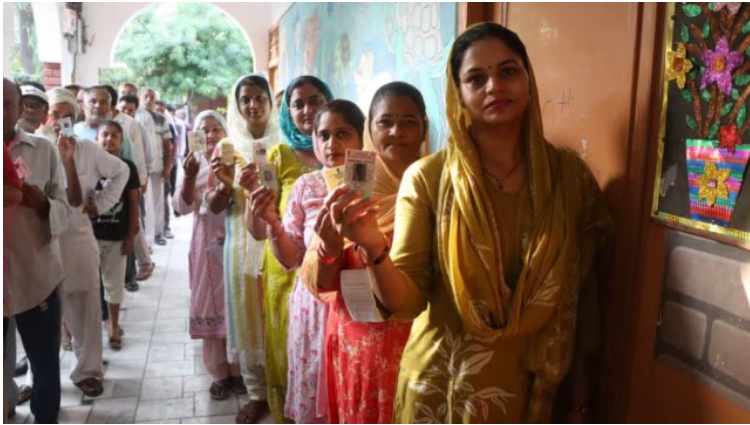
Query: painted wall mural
358, 47
702, 183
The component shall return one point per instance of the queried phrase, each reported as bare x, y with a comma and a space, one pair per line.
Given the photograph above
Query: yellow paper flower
712, 183
678, 65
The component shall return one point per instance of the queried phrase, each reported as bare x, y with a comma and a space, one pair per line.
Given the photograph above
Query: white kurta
133, 130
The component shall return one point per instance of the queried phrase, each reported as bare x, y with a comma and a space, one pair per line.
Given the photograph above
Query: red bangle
327, 259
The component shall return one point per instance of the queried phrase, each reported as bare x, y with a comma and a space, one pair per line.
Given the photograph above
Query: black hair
130, 98
252, 80
18, 88
112, 123
306, 79
92, 89
398, 88
112, 94
40, 86
481, 32
160, 103
170, 108
348, 110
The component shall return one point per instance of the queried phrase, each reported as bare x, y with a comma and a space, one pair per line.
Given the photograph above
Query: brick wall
52, 77
705, 316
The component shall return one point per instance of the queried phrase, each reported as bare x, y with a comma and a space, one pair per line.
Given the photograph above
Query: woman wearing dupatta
205, 258
251, 120
494, 237
362, 359
303, 98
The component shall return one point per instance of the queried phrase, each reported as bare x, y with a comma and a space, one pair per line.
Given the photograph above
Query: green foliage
742, 116
687, 95
183, 50
742, 80
684, 33
24, 60
746, 28
726, 109
713, 131
706, 95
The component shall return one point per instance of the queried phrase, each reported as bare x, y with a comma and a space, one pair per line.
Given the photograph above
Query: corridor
158, 375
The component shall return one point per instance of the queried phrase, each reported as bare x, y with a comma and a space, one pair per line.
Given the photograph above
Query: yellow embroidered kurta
447, 374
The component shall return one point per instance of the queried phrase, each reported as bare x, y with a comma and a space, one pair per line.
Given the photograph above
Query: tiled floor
158, 375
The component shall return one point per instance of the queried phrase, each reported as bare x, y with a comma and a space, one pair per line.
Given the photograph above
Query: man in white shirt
85, 164
163, 134
97, 107
33, 253
177, 135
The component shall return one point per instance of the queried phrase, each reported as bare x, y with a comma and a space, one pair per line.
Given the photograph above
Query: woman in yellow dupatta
493, 237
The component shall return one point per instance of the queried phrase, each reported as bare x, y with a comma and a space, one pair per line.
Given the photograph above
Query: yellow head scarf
543, 307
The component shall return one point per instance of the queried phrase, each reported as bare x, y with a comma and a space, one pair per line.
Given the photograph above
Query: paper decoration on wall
705, 130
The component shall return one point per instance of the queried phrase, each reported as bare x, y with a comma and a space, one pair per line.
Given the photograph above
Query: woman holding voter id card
362, 356
302, 100
494, 237
338, 130
250, 120
205, 258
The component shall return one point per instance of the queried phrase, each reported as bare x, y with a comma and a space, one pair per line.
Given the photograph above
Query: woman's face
110, 139
254, 104
334, 137
304, 103
493, 83
397, 129
214, 132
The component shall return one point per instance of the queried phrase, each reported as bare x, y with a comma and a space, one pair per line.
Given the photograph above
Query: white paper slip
197, 141
260, 153
358, 296
268, 177
23, 170
66, 127
227, 153
360, 171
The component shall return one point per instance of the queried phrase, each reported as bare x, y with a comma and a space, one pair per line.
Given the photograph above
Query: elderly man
97, 107
34, 106
77, 90
33, 250
85, 165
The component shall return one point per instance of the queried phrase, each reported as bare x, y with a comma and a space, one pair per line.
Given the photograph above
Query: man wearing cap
34, 106
85, 164
33, 253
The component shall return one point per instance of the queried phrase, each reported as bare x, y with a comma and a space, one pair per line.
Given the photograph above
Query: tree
25, 65
183, 50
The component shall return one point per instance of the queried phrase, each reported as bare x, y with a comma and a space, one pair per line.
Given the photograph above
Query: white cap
27, 90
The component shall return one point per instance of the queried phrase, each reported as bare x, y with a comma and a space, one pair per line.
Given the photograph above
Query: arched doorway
190, 52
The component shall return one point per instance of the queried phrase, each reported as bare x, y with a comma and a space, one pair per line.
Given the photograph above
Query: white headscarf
213, 114
60, 95
238, 132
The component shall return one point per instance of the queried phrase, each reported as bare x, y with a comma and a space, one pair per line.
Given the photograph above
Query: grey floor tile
196, 383
74, 414
227, 419
161, 388
206, 406
182, 368
125, 369
165, 409
114, 411
166, 352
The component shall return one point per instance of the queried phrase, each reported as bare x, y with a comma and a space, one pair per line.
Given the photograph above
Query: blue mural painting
358, 47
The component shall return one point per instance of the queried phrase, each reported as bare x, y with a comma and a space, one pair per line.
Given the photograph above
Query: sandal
115, 343
238, 385
91, 387
252, 412
132, 287
220, 390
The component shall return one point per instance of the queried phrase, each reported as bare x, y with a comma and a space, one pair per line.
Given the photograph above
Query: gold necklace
501, 180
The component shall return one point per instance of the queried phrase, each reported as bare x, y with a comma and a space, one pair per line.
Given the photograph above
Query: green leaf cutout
726, 109
713, 131
706, 95
746, 28
742, 116
693, 74
742, 80
691, 122
735, 94
687, 95
684, 33
706, 29
691, 10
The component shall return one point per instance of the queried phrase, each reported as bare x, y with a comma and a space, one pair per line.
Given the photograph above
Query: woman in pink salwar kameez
207, 320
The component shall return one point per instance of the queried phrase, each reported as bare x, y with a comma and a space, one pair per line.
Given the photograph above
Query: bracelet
327, 259
381, 257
